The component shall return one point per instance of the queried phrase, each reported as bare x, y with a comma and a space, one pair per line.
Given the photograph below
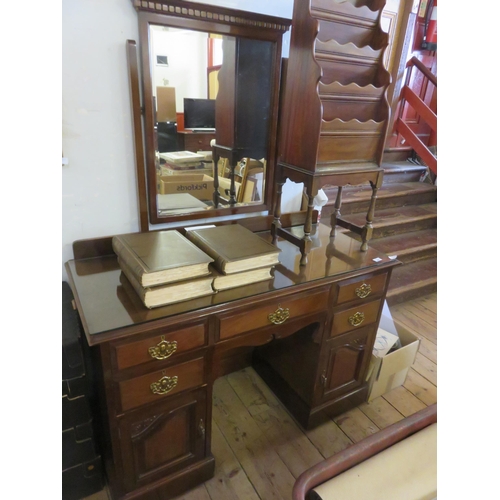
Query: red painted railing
425, 113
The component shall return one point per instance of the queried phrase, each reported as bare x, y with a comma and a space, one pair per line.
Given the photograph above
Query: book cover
160, 257
234, 248
227, 281
169, 294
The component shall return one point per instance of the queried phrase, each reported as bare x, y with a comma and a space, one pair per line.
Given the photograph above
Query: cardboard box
200, 186
390, 371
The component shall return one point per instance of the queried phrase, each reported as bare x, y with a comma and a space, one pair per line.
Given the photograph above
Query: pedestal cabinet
311, 329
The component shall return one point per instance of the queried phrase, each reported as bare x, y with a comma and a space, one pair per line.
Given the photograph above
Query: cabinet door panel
164, 439
347, 360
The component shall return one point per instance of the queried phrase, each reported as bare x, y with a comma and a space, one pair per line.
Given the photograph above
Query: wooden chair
248, 186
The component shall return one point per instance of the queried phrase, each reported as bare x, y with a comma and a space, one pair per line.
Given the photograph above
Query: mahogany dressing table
310, 331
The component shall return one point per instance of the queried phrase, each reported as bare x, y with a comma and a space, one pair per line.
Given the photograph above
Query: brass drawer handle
163, 349
164, 385
363, 291
279, 316
357, 319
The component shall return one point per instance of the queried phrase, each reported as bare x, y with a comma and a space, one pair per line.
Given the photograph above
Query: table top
109, 309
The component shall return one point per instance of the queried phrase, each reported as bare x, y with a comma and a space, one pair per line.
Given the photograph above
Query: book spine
140, 290
219, 262
127, 256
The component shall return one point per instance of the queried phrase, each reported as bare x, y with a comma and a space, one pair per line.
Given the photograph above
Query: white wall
99, 183
187, 63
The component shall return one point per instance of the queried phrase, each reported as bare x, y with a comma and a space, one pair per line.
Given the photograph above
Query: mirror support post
135, 98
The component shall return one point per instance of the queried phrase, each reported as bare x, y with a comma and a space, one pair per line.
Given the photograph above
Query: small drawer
153, 386
363, 288
160, 346
273, 313
355, 317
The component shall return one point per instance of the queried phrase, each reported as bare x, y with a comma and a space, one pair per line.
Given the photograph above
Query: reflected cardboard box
200, 186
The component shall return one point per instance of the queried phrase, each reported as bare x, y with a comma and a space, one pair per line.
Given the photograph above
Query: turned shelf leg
215, 196
368, 228
336, 212
232, 188
277, 210
306, 243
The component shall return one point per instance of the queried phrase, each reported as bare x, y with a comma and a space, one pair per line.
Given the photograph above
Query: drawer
355, 317
160, 347
364, 288
198, 142
273, 312
154, 386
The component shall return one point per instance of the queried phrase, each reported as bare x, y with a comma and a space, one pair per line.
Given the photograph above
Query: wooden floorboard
260, 449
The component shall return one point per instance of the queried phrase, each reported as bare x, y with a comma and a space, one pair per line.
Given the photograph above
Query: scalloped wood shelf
334, 109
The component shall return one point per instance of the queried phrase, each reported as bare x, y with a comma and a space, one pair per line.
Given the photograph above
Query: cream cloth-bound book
226, 281
169, 294
234, 248
160, 257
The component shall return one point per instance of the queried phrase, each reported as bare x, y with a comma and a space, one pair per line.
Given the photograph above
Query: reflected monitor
199, 114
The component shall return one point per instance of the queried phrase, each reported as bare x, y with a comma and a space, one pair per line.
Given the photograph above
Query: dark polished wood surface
107, 306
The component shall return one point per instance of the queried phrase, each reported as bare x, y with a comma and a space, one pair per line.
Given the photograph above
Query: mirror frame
211, 19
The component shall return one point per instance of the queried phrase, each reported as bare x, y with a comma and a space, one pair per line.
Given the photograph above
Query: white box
390, 371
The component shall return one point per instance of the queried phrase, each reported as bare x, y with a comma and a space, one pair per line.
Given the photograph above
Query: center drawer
273, 313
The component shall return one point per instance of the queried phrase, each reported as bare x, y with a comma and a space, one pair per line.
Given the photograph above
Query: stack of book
164, 267
182, 157
240, 256
181, 162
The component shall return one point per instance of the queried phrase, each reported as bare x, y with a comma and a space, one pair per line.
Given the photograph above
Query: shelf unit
334, 109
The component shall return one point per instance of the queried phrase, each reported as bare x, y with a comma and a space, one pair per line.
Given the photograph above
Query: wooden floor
260, 450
